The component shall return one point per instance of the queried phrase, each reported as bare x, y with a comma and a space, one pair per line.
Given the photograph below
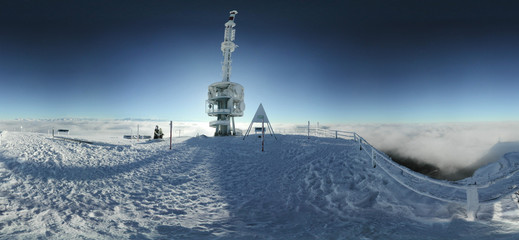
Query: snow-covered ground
210, 188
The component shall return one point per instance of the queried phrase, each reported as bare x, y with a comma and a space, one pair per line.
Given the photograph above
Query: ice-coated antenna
225, 98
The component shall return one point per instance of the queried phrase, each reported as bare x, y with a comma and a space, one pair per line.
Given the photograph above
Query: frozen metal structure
261, 117
225, 98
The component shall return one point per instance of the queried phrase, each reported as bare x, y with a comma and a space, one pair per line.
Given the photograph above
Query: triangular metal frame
259, 117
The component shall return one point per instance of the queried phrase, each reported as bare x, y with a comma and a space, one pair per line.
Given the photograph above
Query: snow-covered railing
470, 194
319, 132
216, 111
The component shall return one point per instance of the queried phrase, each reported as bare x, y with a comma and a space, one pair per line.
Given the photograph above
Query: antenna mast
228, 46
225, 98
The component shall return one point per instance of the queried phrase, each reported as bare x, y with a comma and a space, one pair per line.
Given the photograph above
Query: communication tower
225, 98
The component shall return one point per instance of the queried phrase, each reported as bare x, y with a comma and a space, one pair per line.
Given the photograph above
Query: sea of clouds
451, 147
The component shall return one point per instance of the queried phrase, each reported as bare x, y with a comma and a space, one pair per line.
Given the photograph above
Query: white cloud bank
111, 128
448, 146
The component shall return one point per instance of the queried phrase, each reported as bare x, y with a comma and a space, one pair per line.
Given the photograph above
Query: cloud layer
452, 147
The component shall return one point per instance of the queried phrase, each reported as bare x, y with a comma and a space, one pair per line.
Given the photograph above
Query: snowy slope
210, 188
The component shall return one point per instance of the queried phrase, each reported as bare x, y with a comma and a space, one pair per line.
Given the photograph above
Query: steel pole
263, 135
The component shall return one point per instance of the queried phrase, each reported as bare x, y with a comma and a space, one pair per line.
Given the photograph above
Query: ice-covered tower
225, 98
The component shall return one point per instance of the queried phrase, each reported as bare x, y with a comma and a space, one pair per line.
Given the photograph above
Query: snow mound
507, 165
217, 188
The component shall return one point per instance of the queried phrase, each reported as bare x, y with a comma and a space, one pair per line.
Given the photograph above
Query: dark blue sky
328, 61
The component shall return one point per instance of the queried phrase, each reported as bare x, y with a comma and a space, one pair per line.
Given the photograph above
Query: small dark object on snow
158, 133
63, 131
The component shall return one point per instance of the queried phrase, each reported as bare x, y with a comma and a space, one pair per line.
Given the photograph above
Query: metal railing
471, 194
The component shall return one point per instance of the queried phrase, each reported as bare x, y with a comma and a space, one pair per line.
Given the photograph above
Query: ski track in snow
210, 188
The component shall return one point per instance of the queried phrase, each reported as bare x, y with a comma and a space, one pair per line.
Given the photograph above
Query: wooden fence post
373, 157
308, 129
170, 134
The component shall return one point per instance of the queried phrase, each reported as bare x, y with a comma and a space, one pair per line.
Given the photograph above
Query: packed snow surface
223, 187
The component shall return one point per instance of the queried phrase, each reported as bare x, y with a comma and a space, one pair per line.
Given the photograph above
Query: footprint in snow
95, 214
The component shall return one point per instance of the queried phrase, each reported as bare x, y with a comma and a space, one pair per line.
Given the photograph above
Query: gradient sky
328, 61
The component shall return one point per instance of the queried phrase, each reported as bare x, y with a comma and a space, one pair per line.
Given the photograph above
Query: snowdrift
211, 188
